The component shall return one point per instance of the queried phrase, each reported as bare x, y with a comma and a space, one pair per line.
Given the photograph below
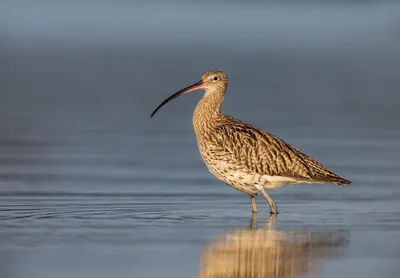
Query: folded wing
263, 153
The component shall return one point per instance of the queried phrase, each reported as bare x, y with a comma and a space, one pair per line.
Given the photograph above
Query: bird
243, 156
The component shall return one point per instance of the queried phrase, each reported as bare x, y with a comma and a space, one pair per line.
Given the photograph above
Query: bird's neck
207, 111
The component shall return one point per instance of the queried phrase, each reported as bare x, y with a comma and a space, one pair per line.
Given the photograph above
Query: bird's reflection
267, 252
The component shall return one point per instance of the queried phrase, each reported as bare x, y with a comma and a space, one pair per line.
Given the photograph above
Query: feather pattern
247, 157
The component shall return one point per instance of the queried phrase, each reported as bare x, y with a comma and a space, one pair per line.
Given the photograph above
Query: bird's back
232, 144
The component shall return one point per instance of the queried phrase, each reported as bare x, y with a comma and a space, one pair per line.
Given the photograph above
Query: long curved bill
196, 86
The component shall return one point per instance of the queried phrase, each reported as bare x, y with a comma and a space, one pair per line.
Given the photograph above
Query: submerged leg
253, 204
253, 221
270, 223
272, 205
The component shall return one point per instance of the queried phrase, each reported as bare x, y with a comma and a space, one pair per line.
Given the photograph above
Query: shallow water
69, 211
91, 187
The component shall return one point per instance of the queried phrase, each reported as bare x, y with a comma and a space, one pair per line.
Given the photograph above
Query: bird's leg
272, 205
253, 204
253, 221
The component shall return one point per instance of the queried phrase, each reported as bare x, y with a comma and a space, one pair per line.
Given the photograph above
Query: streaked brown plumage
243, 156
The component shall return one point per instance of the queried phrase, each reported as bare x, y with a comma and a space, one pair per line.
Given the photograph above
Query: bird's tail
341, 181
334, 179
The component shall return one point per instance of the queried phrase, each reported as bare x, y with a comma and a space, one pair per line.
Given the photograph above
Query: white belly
246, 181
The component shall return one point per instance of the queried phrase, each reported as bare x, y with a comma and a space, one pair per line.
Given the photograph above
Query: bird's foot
273, 208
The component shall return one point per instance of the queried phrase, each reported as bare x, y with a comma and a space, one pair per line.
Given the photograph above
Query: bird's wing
263, 153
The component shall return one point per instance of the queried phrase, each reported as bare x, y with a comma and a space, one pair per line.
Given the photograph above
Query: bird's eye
215, 78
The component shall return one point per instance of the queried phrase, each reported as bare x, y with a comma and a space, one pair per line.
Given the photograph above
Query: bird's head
211, 81
214, 80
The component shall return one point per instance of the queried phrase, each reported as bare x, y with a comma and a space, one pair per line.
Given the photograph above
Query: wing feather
263, 153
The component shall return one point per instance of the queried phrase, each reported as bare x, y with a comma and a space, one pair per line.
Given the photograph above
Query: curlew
243, 156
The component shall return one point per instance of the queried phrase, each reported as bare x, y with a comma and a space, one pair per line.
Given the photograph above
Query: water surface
91, 187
